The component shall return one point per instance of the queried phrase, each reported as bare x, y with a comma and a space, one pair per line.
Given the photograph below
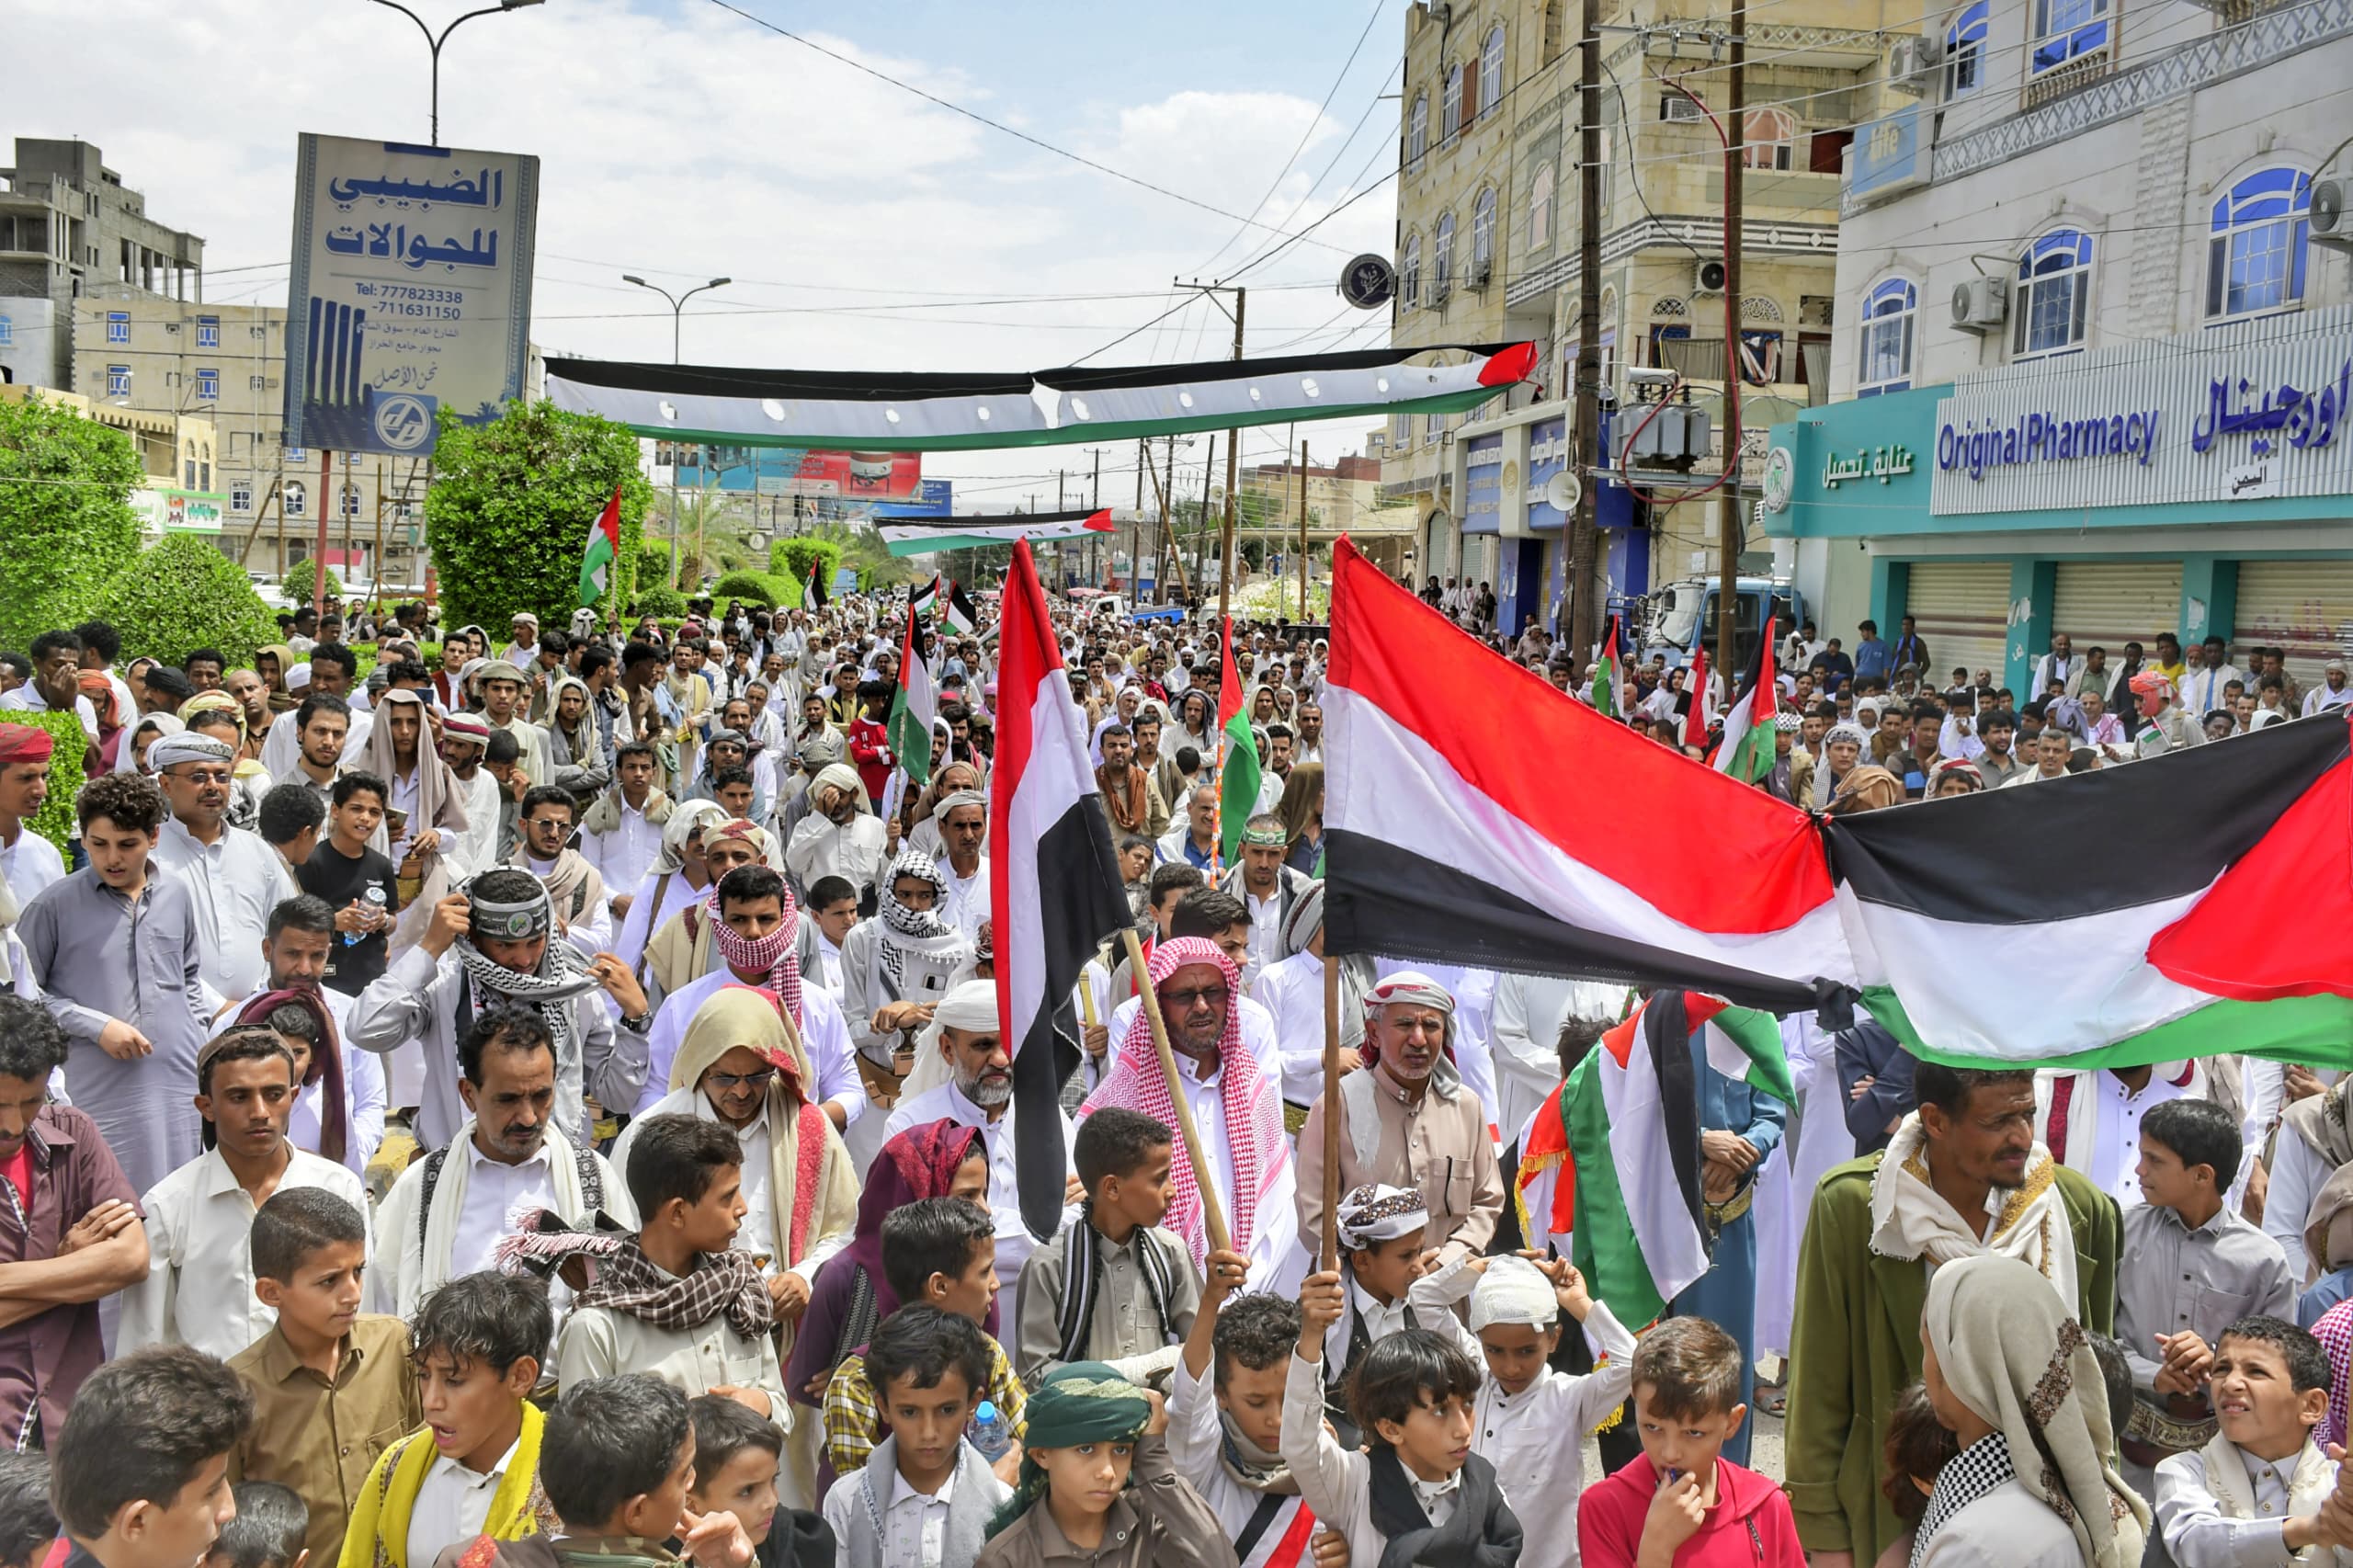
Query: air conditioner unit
171, 326
1980, 305
1479, 272
2332, 212
1709, 278
1674, 106
1439, 294
1913, 64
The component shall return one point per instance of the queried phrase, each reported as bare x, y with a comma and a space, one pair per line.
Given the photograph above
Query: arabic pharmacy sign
411, 290
2253, 410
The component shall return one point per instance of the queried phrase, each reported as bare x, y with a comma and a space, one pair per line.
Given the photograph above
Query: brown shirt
1158, 1522
321, 1438
44, 1358
1437, 1144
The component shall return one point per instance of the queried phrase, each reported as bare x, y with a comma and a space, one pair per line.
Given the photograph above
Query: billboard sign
411, 290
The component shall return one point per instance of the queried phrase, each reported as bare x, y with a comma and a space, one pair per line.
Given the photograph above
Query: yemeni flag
1606, 680
1749, 745
1239, 776
963, 619
1054, 885
1447, 846
912, 708
1631, 1115
1695, 723
604, 547
2228, 928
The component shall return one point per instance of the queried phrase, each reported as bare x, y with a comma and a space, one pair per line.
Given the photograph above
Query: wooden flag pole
1328, 1255
1212, 1212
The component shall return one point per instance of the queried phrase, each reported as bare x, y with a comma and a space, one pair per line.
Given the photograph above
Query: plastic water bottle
990, 1432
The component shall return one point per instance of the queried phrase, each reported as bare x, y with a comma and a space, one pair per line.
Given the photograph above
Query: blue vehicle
1683, 614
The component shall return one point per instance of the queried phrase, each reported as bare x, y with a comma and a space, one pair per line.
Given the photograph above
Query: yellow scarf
378, 1535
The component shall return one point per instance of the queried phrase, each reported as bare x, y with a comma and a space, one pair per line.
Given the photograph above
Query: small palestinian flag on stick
603, 550
1604, 676
1238, 780
912, 708
1748, 745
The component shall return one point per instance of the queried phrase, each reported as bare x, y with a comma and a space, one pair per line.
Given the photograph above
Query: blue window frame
2066, 28
117, 381
1885, 365
2256, 258
2053, 295
208, 384
118, 327
1965, 51
207, 332
7, 332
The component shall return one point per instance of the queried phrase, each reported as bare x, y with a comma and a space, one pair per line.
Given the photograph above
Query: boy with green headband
1096, 1483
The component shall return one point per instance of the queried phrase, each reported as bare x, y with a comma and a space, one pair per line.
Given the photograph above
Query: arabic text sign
2255, 410
411, 290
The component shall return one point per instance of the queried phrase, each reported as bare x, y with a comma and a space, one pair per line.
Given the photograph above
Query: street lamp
677, 315
436, 43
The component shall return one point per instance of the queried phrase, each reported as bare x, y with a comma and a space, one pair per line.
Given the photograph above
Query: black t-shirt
352, 960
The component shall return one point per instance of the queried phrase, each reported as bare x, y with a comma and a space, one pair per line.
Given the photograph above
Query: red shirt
1750, 1527
870, 751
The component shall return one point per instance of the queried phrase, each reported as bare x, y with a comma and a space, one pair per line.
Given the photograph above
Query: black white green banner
923, 536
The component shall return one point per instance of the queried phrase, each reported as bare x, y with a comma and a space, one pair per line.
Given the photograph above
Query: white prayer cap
970, 1008
1513, 1291
298, 678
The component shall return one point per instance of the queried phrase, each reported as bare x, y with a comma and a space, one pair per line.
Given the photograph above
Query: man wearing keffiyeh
1237, 1105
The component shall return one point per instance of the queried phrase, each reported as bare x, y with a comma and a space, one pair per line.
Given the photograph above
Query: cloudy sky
865, 227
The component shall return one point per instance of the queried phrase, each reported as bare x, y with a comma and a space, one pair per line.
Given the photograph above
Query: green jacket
1855, 1345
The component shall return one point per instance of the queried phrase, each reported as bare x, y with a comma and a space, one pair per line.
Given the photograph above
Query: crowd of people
548, 1105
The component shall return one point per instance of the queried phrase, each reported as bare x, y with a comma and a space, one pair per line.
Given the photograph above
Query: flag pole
1212, 1215
1328, 1244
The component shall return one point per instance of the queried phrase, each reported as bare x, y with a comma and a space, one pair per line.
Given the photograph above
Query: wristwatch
639, 1024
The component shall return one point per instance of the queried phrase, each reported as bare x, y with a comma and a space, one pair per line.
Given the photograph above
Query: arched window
1449, 108
1885, 364
1409, 273
1540, 207
1491, 70
2054, 291
1417, 131
1965, 51
2255, 260
2065, 30
1442, 263
293, 496
1482, 231
1770, 138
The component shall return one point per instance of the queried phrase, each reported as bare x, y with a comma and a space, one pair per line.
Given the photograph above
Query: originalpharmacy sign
2255, 409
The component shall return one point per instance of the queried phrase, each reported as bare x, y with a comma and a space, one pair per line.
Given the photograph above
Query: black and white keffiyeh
1973, 1473
913, 931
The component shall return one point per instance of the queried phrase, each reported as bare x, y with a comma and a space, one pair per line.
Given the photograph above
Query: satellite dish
1368, 281
1561, 491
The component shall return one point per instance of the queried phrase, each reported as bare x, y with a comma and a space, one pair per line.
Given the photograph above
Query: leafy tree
511, 505
302, 576
793, 557
183, 594
664, 604
66, 526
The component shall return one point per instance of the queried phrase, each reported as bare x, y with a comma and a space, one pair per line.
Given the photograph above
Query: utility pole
1233, 451
1729, 530
677, 321
1585, 538
1302, 530
1201, 525
1095, 503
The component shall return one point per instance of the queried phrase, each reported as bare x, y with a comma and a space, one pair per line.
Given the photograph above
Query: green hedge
66, 527
793, 557
183, 594
752, 587
54, 821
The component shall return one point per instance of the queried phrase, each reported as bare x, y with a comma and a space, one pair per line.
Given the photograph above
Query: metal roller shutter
2305, 606
1962, 610
2106, 604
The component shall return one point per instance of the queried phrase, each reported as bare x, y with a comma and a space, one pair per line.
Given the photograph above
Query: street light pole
434, 43
677, 317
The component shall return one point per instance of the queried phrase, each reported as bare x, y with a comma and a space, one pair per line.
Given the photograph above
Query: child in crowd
735, 1464
942, 1251
478, 1342
1919, 1446
1381, 1231
1681, 1501
28, 1524
2254, 1494
1097, 1485
140, 1475
1114, 1287
1531, 1419
1420, 1492
271, 1524
928, 1367
2169, 1322
332, 1388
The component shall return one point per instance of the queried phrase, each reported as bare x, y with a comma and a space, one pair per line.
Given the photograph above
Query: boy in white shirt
2254, 1496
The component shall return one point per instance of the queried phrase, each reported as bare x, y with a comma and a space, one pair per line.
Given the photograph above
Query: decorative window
1886, 360
1401, 430
2255, 260
1540, 207
256, 382
2065, 30
117, 381
241, 495
1770, 138
118, 327
207, 332
1482, 231
294, 497
208, 384
1417, 131
1409, 274
1449, 108
1491, 71
189, 464
1442, 264
2054, 291
350, 500
1965, 51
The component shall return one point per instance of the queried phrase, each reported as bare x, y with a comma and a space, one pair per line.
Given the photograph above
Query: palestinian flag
604, 547
922, 600
912, 708
813, 592
1607, 681
963, 619
1545, 1188
1448, 844
1631, 1115
1695, 723
2005, 928
1749, 745
929, 535
1239, 776
1054, 885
